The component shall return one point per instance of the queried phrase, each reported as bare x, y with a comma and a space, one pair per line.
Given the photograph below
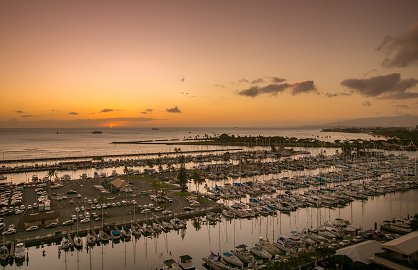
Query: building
361, 252
41, 219
118, 184
400, 253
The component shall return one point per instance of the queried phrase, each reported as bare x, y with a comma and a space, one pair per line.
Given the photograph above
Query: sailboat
65, 244
232, 259
91, 239
103, 237
78, 242
243, 254
214, 262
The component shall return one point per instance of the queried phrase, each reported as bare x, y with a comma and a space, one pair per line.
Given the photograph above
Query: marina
291, 200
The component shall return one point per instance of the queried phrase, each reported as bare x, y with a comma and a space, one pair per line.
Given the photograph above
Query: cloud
19, 111
147, 110
243, 81
73, 113
303, 87
272, 89
367, 104
369, 72
257, 81
219, 85
337, 94
182, 78
277, 80
106, 110
81, 123
275, 88
173, 110
401, 50
27, 116
385, 86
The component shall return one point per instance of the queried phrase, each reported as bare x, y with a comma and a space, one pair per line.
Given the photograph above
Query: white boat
103, 237
186, 263
243, 254
214, 262
78, 242
65, 243
260, 252
91, 239
20, 252
269, 247
170, 264
232, 259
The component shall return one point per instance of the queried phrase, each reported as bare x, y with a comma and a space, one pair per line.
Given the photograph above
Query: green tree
182, 175
197, 180
414, 222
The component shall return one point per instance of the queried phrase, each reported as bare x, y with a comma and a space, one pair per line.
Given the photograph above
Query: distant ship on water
97, 132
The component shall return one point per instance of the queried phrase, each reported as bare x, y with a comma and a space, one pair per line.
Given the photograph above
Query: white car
9, 231
32, 228
85, 220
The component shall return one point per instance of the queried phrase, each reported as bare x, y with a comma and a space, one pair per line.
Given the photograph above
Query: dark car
51, 225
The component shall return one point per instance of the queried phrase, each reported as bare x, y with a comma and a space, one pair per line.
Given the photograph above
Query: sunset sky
205, 63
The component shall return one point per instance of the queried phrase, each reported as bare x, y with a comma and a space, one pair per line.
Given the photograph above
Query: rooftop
361, 252
406, 244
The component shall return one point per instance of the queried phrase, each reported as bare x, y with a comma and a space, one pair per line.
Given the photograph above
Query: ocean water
38, 143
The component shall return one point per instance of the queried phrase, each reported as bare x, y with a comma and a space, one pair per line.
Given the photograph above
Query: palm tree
197, 180
182, 175
50, 174
156, 186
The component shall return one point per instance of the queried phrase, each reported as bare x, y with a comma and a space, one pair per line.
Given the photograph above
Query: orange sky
193, 63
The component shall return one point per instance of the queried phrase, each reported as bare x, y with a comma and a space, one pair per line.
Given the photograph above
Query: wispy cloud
175, 109
277, 80
367, 104
402, 49
274, 89
386, 86
147, 110
83, 123
73, 113
19, 111
219, 85
257, 81
337, 94
106, 110
243, 81
27, 116
303, 87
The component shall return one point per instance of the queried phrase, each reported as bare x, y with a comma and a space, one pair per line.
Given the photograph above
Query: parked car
51, 225
9, 231
68, 222
85, 220
32, 228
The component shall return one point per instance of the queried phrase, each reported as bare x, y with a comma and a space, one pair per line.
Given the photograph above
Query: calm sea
35, 143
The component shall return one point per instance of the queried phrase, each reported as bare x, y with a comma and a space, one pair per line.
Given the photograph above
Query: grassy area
150, 180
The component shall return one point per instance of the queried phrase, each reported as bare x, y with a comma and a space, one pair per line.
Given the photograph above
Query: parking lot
85, 204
